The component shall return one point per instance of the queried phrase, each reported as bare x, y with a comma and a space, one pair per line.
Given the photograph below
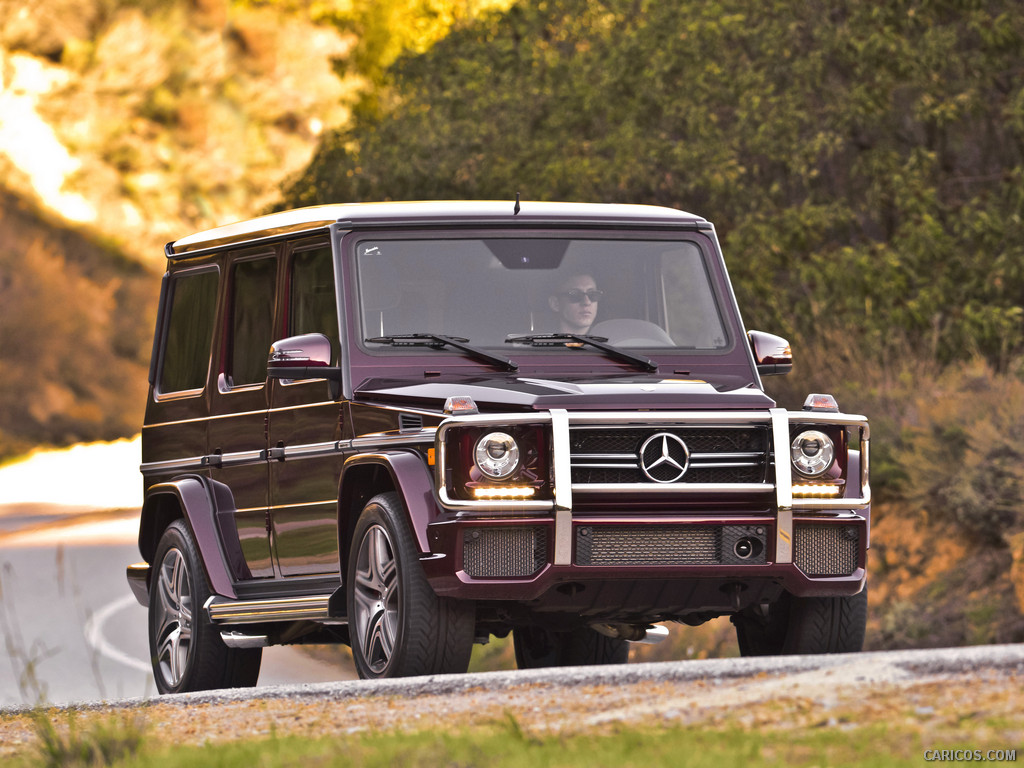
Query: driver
575, 303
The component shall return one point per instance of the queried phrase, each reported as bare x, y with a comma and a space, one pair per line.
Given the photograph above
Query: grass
104, 743
504, 744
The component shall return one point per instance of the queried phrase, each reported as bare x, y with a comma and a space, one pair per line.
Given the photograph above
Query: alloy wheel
174, 619
376, 598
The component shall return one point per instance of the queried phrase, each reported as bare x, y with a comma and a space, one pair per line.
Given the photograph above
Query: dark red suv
476, 419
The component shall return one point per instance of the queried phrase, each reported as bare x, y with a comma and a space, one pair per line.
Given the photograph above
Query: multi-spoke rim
375, 593
173, 617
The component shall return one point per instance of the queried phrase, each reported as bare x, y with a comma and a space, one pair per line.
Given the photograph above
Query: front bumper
523, 551
514, 560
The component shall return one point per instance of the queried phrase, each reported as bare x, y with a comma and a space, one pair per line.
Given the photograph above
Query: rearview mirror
304, 358
771, 353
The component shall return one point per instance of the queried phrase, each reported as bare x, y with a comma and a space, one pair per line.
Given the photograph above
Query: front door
307, 426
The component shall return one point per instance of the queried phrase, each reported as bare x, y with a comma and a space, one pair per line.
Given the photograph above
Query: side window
186, 352
313, 306
252, 320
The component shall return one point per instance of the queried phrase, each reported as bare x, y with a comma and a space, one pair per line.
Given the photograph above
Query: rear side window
252, 320
186, 354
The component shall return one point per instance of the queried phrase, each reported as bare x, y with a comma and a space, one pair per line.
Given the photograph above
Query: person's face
575, 308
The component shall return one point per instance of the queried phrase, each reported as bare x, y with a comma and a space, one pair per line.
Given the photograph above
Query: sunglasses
576, 297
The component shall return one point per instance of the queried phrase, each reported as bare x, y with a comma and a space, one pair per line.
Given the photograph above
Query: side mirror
304, 358
771, 353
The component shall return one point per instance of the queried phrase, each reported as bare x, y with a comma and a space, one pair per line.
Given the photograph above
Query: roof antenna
515, 211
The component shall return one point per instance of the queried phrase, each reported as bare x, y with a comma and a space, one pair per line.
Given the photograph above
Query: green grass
504, 744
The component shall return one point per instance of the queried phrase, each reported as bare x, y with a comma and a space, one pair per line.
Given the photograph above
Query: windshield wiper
597, 342
439, 341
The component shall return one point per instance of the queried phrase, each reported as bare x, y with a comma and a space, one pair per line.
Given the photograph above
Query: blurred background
863, 164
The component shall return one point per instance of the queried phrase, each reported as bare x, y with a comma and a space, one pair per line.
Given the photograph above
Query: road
69, 625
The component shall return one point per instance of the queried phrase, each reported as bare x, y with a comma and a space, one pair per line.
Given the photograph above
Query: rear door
240, 399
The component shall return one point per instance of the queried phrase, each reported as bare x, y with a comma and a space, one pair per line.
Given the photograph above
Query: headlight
812, 452
497, 455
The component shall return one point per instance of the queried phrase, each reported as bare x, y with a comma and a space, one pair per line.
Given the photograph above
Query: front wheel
398, 626
537, 647
797, 625
187, 651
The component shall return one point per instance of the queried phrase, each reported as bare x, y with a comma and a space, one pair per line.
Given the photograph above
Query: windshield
500, 292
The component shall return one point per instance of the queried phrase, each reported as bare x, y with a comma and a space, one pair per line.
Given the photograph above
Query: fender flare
208, 508
410, 477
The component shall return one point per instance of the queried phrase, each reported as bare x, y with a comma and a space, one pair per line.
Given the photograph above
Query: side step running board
221, 610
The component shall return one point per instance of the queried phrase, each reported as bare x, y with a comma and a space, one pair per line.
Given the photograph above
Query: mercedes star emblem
664, 457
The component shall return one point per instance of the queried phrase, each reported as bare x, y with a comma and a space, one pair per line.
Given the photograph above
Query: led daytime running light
816, 491
504, 492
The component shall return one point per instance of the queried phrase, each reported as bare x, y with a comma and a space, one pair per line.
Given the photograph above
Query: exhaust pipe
240, 640
645, 634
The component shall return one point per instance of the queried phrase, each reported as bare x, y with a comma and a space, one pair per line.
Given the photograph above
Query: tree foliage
864, 162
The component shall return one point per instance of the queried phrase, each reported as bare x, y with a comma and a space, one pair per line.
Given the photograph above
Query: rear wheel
398, 626
538, 647
187, 651
795, 625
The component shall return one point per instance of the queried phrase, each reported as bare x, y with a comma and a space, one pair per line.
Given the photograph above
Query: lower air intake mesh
508, 552
649, 545
826, 550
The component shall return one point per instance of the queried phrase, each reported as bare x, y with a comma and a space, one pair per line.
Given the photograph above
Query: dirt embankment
969, 696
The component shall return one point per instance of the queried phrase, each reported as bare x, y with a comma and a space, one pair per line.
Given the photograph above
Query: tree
863, 162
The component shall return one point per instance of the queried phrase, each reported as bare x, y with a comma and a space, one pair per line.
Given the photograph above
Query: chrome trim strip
242, 458
173, 465
385, 439
783, 486
224, 611
684, 489
560, 455
312, 450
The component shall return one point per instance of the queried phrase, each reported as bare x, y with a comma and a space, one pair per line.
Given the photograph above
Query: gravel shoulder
966, 695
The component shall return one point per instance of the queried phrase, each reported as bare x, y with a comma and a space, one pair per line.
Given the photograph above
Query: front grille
717, 455
826, 550
668, 545
513, 552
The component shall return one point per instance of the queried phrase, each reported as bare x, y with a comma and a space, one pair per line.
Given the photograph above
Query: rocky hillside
125, 124
143, 120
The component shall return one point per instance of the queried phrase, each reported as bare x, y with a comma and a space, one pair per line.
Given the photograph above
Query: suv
477, 419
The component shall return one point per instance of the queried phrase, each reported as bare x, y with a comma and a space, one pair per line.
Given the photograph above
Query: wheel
186, 649
398, 626
795, 625
538, 647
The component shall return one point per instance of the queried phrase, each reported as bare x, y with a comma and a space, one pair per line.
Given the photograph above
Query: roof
433, 212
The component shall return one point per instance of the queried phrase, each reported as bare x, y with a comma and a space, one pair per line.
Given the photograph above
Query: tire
537, 647
185, 647
796, 625
398, 626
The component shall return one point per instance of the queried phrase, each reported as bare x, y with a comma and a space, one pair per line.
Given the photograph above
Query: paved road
72, 631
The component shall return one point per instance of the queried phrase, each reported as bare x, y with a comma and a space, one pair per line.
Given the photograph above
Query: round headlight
813, 453
497, 455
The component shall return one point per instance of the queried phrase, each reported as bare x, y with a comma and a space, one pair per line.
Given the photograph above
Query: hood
635, 392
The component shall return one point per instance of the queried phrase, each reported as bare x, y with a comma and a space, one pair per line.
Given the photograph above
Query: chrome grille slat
603, 455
